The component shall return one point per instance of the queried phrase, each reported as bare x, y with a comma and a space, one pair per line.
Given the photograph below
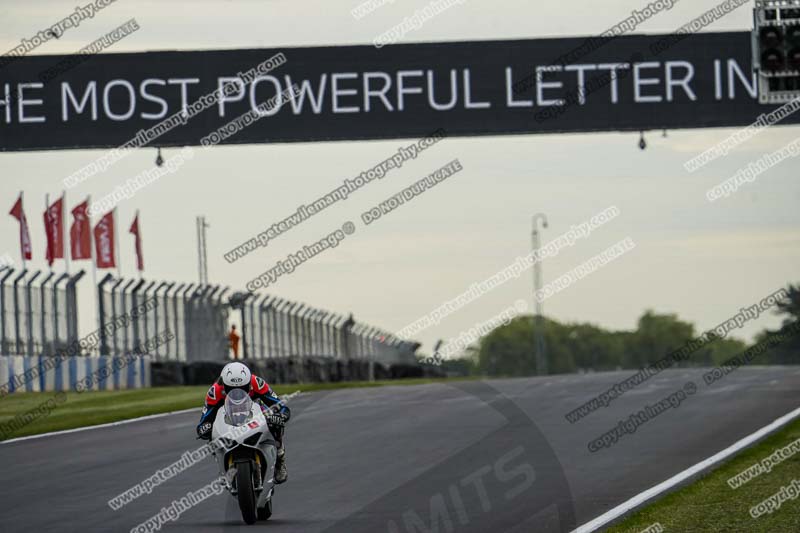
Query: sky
700, 260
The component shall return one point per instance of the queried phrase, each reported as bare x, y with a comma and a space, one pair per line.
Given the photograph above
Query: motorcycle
246, 453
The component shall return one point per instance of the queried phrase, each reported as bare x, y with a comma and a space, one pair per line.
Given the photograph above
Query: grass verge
711, 505
70, 410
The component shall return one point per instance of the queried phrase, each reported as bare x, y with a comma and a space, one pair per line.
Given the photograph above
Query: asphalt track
474, 456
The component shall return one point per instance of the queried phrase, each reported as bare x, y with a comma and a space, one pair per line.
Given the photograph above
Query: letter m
68, 96
439, 514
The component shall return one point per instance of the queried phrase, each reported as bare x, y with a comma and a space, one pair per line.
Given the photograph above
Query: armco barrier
20, 373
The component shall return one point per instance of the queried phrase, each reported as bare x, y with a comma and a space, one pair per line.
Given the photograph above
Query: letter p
223, 82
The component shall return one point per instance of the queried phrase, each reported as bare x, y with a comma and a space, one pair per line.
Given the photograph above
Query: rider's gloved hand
204, 430
285, 412
277, 419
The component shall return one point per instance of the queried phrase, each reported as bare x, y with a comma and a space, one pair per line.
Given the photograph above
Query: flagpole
65, 239
91, 240
114, 220
92, 245
138, 241
21, 222
48, 222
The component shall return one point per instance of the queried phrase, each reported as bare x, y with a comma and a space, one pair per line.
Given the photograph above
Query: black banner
637, 82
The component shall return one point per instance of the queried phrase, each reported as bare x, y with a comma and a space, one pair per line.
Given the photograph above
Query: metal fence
39, 316
38, 311
198, 316
274, 327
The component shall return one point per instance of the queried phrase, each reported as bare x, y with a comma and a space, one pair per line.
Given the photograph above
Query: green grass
92, 408
710, 505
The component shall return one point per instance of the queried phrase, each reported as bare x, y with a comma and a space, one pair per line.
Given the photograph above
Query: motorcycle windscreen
238, 407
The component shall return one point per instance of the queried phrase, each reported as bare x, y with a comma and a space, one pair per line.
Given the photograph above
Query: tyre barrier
311, 369
166, 373
34, 374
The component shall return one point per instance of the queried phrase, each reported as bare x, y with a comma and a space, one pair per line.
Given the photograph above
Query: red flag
24, 236
54, 229
135, 230
104, 241
80, 233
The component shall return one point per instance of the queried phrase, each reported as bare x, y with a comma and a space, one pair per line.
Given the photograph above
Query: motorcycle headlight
238, 420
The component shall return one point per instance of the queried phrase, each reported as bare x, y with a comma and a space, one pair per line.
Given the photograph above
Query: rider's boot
281, 473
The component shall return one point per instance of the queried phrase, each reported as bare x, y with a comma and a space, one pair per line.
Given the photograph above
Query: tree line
509, 350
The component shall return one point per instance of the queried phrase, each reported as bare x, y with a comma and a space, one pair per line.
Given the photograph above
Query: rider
238, 376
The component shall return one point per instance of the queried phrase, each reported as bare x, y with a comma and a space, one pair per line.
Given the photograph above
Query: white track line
108, 425
664, 486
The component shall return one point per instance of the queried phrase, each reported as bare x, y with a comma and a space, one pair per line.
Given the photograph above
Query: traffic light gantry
776, 50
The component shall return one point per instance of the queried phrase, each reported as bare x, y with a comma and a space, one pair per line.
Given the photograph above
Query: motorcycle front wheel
246, 495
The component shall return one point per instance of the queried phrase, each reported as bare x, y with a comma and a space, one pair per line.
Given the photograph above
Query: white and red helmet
236, 375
